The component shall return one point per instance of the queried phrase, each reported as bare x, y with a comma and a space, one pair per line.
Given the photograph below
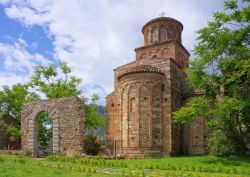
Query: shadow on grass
228, 161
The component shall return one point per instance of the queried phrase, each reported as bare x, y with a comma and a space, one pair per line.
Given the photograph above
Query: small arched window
170, 33
163, 33
154, 35
147, 37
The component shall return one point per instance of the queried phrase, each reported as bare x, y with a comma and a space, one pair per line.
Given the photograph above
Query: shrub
14, 132
92, 145
224, 145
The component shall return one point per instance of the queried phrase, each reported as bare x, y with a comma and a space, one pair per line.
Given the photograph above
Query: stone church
147, 91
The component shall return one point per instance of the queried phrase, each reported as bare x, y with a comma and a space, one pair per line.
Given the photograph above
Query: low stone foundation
142, 152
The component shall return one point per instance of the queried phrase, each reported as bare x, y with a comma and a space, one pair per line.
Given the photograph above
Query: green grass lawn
200, 166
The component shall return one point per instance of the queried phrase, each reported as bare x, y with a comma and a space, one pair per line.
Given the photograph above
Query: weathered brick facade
147, 91
68, 125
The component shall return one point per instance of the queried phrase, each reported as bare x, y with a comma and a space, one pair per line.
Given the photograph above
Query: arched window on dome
154, 35
179, 36
170, 33
147, 37
163, 33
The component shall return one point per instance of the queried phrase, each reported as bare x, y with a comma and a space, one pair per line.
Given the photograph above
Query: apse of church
147, 91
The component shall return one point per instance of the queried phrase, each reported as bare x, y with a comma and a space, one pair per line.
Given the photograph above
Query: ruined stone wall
110, 115
68, 125
113, 107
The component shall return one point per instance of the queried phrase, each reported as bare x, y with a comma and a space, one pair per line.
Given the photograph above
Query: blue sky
94, 37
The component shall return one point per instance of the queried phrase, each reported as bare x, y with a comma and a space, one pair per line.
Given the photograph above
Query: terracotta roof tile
139, 62
139, 68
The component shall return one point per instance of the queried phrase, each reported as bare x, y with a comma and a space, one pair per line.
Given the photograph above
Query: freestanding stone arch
68, 125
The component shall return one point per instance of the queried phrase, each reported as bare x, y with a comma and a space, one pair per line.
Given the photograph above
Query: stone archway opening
67, 118
45, 134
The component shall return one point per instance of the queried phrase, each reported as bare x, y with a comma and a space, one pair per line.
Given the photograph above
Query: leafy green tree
55, 82
93, 118
11, 101
14, 132
221, 70
198, 106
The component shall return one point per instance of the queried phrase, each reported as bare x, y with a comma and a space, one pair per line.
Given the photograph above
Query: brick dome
162, 29
166, 19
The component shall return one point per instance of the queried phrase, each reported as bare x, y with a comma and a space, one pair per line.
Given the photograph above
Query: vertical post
115, 147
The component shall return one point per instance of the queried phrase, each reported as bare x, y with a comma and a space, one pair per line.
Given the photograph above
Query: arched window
133, 118
170, 33
156, 116
163, 33
144, 116
154, 35
179, 36
148, 37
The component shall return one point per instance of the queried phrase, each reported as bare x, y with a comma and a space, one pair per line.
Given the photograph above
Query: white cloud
17, 62
94, 37
11, 78
26, 15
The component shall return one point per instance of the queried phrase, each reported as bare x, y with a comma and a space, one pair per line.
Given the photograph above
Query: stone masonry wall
177, 80
68, 125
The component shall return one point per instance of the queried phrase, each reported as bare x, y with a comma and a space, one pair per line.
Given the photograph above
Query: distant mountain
102, 110
100, 131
